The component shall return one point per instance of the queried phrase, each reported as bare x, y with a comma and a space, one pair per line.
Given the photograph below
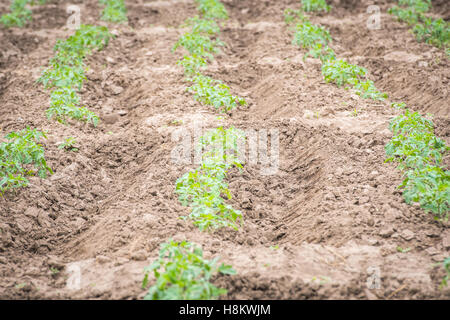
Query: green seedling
322, 279
203, 26
367, 90
20, 285
414, 144
54, 271
22, 156
315, 5
398, 105
204, 188
69, 144
341, 72
214, 93
446, 265
212, 9
182, 273
199, 45
20, 14
192, 65
434, 32
115, 11
307, 35
401, 250
291, 15
430, 187
176, 122
417, 5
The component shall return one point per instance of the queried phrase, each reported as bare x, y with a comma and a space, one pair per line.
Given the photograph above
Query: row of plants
21, 155
20, 14
114, 11
317, 40
414, 146
419, 154
181, 272
203, 189
66, 73
201, 42
426, 29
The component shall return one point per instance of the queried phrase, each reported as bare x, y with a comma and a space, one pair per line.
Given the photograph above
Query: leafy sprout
315, 5
204, 189
22, 156
182, 273
69, 144
115, 11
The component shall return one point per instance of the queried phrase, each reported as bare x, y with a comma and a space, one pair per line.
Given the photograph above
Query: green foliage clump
432, 31
317, 39
291, 15
198, 44
21, 156
192, 65
182, 273
430, 187
20, 14
66, 73
202, 189
212, 9
214, 93
341, 72
446, 264
315, 5
307, 35
203, 26
115, 11
419, 153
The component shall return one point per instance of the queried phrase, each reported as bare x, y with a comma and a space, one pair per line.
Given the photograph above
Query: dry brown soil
312, 231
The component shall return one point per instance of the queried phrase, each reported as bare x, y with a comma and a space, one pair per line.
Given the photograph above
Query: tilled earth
321, 228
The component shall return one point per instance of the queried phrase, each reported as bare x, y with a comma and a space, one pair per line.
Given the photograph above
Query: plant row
20, 14
203, 189
21, 155
181, 272
317, 40
66, 73
426, 29
201, 42
414, 146
419, 154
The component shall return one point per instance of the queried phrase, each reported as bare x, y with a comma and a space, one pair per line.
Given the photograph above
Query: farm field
330, 222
